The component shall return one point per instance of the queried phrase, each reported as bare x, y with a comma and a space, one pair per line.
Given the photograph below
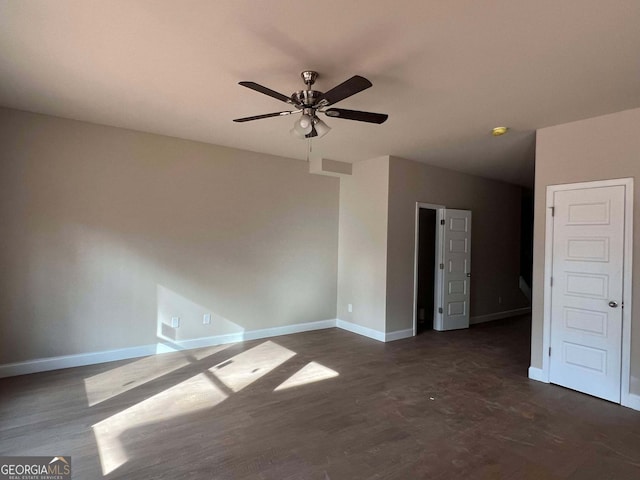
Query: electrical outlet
175, 322
350, 308
206, 319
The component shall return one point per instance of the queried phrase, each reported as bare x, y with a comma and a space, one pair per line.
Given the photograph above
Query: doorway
427, 273
587, 273
442, 263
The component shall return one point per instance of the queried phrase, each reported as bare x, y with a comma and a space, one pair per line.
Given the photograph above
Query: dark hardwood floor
323, 405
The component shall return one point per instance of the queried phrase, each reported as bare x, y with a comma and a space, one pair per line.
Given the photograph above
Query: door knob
613, 304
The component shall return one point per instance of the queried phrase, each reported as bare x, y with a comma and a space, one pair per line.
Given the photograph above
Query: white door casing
457, 270
587, 290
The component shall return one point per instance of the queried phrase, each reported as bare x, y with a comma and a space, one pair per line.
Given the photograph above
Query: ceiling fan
311, 102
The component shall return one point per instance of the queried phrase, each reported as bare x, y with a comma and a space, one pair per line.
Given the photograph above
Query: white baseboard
499, 315
538, 375
360, 330
398, 335
82, 359
253, 334
289, 329
631, 401
525, 288
375, 334
78, 360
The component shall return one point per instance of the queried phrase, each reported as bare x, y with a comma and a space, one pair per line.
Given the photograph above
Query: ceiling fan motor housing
306, 98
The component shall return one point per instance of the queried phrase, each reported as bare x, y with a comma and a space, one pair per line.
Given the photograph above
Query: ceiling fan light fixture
305, 120
321, 127
304, 125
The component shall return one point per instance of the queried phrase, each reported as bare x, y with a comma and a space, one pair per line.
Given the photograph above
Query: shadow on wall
180, 321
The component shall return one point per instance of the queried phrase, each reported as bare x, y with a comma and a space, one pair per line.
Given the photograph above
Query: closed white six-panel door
587, 289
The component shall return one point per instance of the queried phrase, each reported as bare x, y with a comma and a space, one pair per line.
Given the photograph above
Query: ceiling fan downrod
308, 98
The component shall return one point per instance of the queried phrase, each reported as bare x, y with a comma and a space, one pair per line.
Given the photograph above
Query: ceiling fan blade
347, 88
267, 91
266, 115
312, 133
357, 115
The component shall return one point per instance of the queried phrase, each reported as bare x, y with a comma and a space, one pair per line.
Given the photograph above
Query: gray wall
362, 261
595, 149
109, 232
495, 243
377, 235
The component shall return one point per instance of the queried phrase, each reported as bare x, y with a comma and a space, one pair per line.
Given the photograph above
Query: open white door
587, 289
457, 270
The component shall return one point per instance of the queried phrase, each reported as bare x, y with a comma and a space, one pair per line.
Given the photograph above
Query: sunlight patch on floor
310, 373
194, 394
121, 379
197, 393
247, 367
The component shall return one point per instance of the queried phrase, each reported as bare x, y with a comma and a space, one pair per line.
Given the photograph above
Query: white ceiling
444, 71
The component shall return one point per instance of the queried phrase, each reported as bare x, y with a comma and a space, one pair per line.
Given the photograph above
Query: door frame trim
627, 292
440, 248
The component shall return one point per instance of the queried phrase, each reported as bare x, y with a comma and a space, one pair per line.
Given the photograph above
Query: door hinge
440, 310
442, 266
549, 351
442, 222
553, 211
551, 282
